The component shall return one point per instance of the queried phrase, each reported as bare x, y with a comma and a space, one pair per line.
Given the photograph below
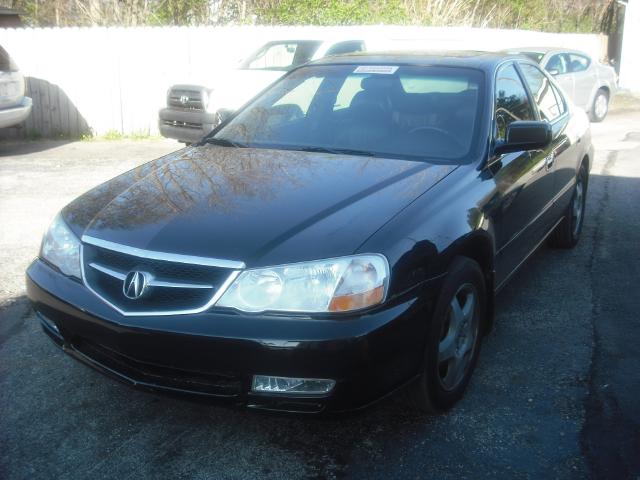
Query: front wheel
454, 338
567, 233
600, 106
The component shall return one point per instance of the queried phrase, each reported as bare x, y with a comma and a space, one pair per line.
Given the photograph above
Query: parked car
341, 236
589, 83
15, 107
192, 111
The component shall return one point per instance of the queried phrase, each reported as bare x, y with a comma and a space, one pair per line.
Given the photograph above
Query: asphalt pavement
555, 393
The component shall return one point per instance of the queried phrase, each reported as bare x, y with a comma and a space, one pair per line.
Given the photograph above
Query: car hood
259, 206
235, 88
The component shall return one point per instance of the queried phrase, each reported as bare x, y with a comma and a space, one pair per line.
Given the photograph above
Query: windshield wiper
223, 142
337, 151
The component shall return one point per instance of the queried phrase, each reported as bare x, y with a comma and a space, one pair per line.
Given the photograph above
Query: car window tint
351, 86
431, 85
345, 47
295, 103
542, 91
557, 63
356, 108
578, 63
512, 102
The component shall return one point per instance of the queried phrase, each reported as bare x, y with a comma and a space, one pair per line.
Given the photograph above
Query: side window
557, 64
578, 63
512, 102
543, 92
346, 47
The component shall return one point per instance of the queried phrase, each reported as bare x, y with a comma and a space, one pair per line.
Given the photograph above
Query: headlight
333, 285
61, 248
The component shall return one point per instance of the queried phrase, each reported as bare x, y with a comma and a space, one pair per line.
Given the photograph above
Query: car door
557, 65
520, 212
584, 78
560, 155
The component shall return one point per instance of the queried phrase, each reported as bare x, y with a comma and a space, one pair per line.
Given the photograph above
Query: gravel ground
554, 395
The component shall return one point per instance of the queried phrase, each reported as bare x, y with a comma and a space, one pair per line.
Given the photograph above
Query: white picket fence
115, 79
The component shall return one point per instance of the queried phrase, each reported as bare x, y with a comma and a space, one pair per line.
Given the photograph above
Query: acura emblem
184, 99
134, 285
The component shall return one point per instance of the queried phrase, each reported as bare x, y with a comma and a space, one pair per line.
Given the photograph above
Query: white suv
192, 111
14, 106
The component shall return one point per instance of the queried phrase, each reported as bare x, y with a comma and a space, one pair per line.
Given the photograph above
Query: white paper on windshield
379, 69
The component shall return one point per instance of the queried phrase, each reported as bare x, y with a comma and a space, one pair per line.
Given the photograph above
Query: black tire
567, 233
432, 392
600, 106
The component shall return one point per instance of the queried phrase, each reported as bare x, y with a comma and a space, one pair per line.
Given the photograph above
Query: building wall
115, 79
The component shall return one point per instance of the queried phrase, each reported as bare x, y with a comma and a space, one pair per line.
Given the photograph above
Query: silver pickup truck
192, 111
14, 106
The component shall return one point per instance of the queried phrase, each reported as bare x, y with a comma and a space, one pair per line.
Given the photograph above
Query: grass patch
625, 101
117, 135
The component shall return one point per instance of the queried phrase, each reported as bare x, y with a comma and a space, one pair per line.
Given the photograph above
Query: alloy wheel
577, 210
601, 105
458, 337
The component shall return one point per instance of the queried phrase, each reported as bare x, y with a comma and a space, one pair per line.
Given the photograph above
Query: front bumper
215, 354
10, 117
185, 126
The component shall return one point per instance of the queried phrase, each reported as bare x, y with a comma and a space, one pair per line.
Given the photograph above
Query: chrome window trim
157, 256
169, 257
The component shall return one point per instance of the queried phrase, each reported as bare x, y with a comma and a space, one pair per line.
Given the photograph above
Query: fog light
311, 386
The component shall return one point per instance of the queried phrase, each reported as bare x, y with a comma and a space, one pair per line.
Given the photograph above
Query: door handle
549, 160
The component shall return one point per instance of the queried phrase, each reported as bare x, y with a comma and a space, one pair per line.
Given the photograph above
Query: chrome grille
173, 285
186, 99
178, 123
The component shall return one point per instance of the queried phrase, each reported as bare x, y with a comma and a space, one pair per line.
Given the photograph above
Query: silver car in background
589, 83
15, 107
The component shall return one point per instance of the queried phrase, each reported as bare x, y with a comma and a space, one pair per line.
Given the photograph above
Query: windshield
386, 111
281, 55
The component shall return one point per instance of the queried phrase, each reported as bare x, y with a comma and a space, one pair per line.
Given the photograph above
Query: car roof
462, 58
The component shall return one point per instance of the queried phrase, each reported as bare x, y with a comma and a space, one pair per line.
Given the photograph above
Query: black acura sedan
343, 235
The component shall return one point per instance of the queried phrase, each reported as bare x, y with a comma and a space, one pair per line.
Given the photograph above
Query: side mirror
553, 72
525, 135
